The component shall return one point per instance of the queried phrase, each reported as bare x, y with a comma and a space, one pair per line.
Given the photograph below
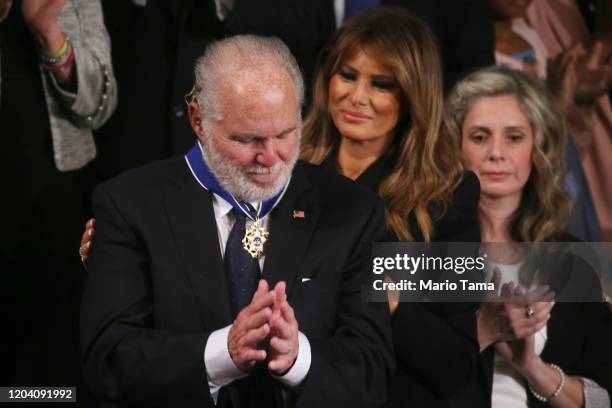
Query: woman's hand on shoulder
87, 241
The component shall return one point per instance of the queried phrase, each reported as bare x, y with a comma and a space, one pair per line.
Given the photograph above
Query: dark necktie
241, 269
242, 272
352, 7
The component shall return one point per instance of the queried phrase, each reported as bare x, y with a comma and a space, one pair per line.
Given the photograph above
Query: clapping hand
284, 344
521, 351
251, 327
268, 315
515, 314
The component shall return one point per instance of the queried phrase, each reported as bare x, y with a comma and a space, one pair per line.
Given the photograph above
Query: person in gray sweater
56, 86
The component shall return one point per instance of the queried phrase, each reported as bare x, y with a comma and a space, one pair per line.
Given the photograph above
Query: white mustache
262, 169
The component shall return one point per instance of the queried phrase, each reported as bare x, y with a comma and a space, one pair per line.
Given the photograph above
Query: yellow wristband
59, 53
57, 56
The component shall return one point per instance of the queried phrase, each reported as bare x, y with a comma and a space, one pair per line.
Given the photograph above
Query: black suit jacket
156, 288
435, 343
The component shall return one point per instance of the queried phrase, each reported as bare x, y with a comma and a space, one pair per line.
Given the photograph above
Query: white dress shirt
220, 369
509, 387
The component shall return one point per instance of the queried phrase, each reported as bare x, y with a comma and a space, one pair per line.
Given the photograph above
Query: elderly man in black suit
186, 303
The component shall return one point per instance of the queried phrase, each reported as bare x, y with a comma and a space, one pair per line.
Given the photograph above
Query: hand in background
42, 17
87, 241
5, 7
594, 75
562, 78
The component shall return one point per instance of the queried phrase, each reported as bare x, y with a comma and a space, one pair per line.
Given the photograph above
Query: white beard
234, 178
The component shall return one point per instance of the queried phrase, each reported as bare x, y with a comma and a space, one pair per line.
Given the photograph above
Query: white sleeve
298, 372
595, 396
220, 369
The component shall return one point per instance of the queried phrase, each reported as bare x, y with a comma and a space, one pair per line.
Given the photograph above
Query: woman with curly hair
512, 137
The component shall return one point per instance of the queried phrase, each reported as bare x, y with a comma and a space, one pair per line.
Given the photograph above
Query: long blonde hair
545, 205
427, 166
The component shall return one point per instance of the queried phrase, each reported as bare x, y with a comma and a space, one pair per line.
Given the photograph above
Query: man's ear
195, 120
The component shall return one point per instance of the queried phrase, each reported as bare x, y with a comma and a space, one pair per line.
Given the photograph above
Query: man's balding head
245, 61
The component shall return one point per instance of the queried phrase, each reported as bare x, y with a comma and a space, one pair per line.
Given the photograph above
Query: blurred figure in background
562, 29
519, 46
56, 85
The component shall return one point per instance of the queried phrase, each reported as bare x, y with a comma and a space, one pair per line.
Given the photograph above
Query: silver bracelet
557, 391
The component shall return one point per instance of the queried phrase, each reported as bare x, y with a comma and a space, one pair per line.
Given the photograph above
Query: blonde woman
512, 137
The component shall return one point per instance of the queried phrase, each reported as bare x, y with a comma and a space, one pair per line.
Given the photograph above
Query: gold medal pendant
255, 239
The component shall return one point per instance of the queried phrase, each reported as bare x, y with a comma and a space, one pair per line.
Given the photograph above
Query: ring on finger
529, 311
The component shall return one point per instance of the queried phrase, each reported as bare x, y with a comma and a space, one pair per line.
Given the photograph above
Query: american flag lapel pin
298, 214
